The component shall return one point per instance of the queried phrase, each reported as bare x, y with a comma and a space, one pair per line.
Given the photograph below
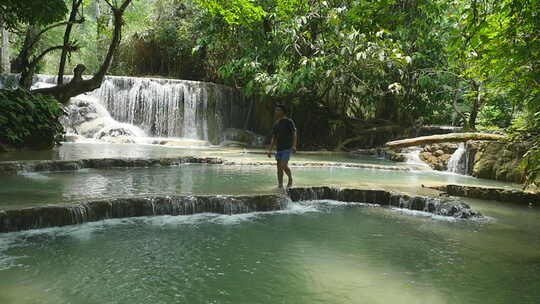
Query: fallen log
433, 139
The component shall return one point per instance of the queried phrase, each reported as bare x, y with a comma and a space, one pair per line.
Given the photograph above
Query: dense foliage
35, 12
29, 121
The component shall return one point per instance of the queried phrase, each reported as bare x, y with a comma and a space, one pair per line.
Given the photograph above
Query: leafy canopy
32, 12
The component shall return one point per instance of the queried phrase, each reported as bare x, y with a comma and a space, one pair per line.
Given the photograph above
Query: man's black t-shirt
284, 130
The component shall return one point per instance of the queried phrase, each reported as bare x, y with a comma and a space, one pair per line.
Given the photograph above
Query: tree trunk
476, 107
433, 139
4, 51
67, 34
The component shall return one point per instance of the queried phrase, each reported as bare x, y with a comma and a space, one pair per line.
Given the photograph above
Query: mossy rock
499, 161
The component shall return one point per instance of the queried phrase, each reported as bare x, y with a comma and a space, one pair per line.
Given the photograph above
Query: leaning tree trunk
78, 85
433, 139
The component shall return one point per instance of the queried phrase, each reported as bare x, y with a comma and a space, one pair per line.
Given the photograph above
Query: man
284, 136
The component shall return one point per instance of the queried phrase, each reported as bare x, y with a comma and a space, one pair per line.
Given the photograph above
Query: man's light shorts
283, 154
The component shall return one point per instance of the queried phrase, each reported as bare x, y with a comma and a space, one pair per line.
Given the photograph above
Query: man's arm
272, 142
294, 134
295, 139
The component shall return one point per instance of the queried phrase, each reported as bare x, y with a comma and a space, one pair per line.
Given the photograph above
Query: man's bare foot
290, 183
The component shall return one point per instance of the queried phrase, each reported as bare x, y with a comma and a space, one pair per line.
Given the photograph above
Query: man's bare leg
285, 166
279, 174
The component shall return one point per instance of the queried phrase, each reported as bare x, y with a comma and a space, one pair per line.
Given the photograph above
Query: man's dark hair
282, 107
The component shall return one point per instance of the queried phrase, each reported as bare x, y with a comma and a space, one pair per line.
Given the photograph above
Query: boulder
248, 138
497, 160
438, 155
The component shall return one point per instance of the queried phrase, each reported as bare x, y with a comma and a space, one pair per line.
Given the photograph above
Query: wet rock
438, 155
14, 167
497, 160
233, 144
242, 138
114, 132
10, 167
182, 142
496, 194
72, 138
63, 215
70, 214
438, 206
382, 152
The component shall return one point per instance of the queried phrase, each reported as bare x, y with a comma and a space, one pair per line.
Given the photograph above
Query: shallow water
73, 151
321, 253
316, 252
58, 187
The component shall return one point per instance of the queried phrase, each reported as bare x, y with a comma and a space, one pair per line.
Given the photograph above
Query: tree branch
36, 38
52, 48
78, 85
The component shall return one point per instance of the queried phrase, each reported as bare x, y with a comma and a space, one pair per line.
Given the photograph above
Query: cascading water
88, 118
458, 163
413, 157
170, 108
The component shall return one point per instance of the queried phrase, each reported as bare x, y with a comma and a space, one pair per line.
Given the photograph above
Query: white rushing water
413, 157
167, 108
458, 162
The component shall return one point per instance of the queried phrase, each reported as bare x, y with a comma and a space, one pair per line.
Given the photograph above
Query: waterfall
170, 107
458, 163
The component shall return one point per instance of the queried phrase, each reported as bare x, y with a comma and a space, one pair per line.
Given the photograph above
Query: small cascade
458, 163
78, 213
63, 215
437, 206
413, 157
